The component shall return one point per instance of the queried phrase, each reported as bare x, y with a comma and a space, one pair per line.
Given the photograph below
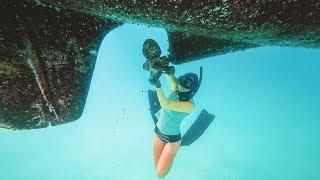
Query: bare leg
158, 146
166, 158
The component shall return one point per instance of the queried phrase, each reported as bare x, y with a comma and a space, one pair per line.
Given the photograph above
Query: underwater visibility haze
265, 101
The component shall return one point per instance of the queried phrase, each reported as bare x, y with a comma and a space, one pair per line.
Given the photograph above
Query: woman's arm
174, 105
173, 82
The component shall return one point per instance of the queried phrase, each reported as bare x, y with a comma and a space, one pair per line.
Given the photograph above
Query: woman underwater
174, 108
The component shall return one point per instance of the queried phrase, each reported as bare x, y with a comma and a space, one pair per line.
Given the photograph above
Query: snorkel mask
188, 85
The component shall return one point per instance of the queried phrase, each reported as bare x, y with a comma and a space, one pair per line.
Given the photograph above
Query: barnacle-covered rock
47, 60
48, 48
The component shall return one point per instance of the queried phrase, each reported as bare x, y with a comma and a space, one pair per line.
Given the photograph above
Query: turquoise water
266, 103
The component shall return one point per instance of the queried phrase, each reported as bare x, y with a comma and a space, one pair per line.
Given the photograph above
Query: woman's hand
155, 82
169, 70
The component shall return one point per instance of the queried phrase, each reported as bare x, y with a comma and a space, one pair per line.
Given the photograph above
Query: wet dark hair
148, 45
188, 81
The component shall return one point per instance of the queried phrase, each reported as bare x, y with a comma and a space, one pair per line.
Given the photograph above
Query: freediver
168, 112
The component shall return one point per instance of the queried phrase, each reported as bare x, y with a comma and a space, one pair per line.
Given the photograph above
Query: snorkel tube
200, 79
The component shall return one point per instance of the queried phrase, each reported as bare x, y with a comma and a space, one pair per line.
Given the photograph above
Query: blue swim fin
154, 105
197, 128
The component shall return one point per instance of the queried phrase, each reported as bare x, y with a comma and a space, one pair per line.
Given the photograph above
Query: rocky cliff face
48, 48
225, 25
47, 59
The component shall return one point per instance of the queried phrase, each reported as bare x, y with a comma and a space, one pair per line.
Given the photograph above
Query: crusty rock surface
48, 48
